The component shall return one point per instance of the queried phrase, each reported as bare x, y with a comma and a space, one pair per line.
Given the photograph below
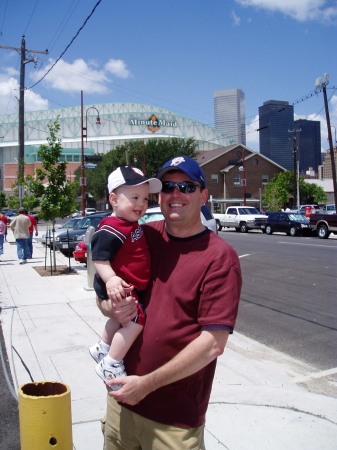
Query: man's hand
134, 389
123, 311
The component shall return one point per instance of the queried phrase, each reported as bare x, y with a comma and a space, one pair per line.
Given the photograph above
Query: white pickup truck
242, 218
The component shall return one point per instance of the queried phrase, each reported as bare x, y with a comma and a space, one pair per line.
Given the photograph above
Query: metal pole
332, 156
244, 177
82, 161
21, 158
295, 167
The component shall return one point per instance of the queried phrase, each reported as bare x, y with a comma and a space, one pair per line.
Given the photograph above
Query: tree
148, 157
281, 188
2, 200
56, 196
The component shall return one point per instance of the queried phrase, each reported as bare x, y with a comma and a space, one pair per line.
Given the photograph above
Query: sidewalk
261, 398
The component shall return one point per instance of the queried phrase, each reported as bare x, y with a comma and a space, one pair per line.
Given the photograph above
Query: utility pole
21, 122
322, 85
296, 195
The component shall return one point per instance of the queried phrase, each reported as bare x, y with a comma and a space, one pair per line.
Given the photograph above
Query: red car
80, 252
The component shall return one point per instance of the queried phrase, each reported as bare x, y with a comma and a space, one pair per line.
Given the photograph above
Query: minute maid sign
153, 124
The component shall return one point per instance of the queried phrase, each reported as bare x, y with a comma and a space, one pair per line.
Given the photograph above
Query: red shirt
33, 223
195, 285
123, 244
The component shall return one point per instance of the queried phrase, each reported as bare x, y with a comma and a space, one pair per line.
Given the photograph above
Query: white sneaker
110, 372
97, 352
21, 261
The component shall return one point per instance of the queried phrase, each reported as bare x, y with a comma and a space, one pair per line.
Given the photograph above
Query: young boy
122, 261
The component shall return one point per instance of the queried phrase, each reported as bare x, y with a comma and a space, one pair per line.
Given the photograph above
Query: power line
78, 32
31, 16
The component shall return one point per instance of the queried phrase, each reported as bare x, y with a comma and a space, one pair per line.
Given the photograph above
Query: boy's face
130, 202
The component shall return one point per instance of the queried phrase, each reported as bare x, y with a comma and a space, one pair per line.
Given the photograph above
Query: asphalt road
289, 296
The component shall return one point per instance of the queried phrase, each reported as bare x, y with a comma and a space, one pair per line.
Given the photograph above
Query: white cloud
236, 19
300, 10
71, 77
117, 67
9, 96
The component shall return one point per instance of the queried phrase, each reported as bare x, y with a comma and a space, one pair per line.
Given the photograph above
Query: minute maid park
120, 122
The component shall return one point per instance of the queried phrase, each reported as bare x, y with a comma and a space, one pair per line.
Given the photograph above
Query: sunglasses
186, 187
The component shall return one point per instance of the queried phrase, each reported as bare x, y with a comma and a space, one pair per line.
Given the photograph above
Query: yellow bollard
45, 416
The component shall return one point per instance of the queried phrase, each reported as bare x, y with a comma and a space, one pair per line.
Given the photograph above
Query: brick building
236, 170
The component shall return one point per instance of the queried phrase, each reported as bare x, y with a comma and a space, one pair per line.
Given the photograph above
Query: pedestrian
4, 218
20, 227
3, 227
122, 262
33, 226
191, 306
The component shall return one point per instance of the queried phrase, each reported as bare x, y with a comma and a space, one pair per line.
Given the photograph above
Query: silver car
47, 238
155, 213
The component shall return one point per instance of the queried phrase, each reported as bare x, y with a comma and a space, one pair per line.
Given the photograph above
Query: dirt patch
60, 270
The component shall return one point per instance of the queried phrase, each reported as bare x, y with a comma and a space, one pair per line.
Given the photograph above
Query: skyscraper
308, 143
276, 123
230, 114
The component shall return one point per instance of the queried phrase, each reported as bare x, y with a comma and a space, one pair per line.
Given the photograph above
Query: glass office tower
308, 144
276, 124
230, 114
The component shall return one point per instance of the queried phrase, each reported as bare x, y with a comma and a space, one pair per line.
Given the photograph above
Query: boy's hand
117, 288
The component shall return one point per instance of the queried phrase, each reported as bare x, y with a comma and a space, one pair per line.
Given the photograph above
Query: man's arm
195, 356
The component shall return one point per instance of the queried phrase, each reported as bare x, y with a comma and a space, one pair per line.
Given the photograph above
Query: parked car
89, 211
291, 223
47, 238
329, 208
80, 252
155, 213
10, 214
303, 209
151, 215
66, 242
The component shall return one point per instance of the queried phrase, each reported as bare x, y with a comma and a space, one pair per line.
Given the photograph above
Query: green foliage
148, 157
2, 200
50, 186
281, 188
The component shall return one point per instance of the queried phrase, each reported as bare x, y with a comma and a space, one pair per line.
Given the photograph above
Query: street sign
90, 166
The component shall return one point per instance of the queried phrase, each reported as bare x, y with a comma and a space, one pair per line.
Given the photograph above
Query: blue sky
173, 54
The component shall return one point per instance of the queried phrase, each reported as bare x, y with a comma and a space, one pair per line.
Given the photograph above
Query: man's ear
204, 196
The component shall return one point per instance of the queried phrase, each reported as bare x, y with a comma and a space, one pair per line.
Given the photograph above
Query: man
33, 226
191, 307
20, 227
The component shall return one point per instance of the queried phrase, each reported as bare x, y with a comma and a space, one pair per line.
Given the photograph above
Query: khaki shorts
126, 430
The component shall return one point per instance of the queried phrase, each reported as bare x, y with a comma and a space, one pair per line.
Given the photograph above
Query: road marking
309, 245
242, 256
323, 373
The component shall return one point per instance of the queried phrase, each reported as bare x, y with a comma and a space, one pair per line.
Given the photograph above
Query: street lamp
321, 84
84, 135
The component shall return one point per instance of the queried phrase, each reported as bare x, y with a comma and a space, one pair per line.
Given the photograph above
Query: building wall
327, 170
256, 167
308, 141
230, 114
276, 118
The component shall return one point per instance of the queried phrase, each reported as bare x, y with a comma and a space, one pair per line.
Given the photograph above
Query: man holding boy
191, 306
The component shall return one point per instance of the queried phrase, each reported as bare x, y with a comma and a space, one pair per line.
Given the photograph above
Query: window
214, 178
265, 179
76, 158
69, 157
237, 179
